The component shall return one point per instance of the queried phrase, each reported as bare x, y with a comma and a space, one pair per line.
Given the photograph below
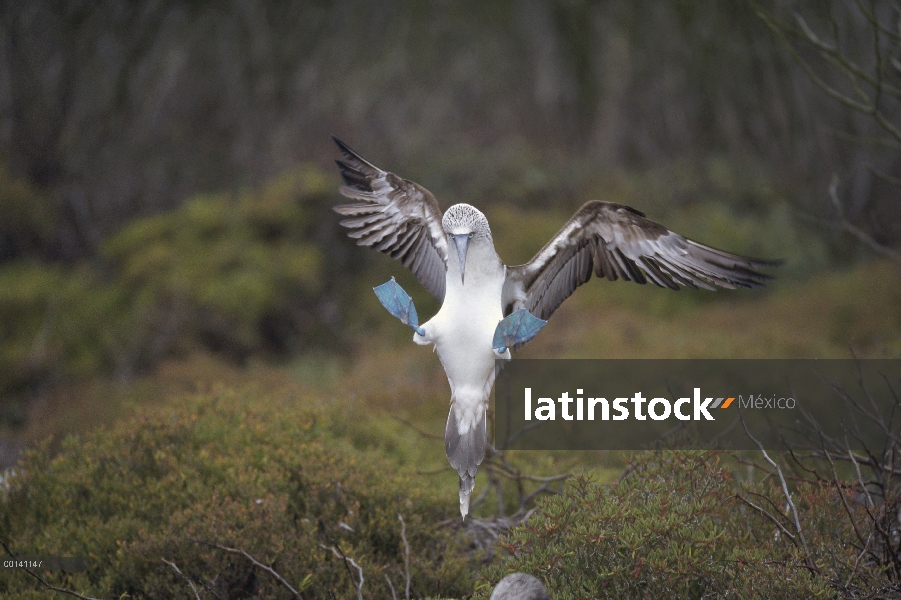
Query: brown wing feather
618, 242
394, 216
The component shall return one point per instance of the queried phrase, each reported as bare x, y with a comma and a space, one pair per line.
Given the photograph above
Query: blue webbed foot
520, 326
399, 303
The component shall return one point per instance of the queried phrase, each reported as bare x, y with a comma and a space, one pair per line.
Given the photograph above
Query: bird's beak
462, 243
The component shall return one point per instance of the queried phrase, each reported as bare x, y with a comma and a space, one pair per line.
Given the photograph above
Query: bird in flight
453, 257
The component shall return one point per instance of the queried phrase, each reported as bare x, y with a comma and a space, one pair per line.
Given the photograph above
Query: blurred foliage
234, 273
151, 482
142, 214
29, 218
830, 315
117, 112
268, 271
225, 264
134, 228
56, 323
672, 528
851, 53
215, 469
722, 202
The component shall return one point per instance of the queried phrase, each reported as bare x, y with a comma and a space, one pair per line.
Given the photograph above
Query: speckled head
463, 219
464, 224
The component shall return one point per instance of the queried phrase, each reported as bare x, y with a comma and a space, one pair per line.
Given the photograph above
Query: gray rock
519, 586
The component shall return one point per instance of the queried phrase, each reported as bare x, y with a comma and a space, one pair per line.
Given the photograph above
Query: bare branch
839, 60
883, 142
496, 465
863, 486
857, 232
44, 583
865, 550
874, 21
403, 536
788, 499
185, 577
831, 53
766, 514
425, 434
778, 29
348, 559
391, 587
841, 494
895, 181
269, 570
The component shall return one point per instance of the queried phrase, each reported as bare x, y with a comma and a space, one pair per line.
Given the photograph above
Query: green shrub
238, 274
235, 273
28, 218
57, 323
674, 529
276, 484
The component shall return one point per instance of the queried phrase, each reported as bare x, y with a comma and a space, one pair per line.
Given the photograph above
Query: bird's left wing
394, 216
615, 241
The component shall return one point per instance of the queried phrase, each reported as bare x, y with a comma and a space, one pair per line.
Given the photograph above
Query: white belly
462, 332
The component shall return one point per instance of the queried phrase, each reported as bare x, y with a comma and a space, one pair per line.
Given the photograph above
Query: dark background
166, 175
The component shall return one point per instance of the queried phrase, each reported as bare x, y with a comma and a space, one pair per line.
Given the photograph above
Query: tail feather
465, 453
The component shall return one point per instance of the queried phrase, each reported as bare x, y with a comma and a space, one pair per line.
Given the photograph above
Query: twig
44, 583
403, 536
857, 232
865, 550
870, 508
788, 498
439, 471
185, 577
348, 559
424, 434
496, 464
841, 495
791, 504
863, 486
270, 570
778, 29
766, 514
866, 141
391, 587
895, 181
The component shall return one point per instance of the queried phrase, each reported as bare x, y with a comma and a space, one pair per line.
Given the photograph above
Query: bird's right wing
395, 216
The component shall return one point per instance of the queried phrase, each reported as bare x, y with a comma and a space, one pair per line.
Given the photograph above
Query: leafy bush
57, 323
226, 470
239, 274
674, 528
28, 219
213, 472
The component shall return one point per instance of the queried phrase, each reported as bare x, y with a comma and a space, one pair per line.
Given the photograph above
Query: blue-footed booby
453, 256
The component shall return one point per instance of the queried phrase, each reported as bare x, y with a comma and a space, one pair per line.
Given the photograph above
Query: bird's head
464, 225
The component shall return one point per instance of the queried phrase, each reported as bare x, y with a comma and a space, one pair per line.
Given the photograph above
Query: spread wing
615, 241
394, 216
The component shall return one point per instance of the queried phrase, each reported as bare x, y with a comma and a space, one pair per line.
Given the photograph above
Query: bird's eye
471, 234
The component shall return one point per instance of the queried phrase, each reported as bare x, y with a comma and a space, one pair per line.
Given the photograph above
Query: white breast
464, 327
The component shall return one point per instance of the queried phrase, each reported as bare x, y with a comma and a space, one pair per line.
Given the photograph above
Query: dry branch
348, 559
403, 536
44, 583
177, 570
268, 569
